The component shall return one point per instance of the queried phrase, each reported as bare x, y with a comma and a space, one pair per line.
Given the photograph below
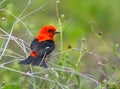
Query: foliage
87, 50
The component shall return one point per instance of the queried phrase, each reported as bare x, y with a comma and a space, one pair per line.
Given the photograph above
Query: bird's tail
30, 59
27, 61
39, 61
36, 61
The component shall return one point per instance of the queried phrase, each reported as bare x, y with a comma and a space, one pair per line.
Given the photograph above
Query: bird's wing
34, 45
42, 47
46, 47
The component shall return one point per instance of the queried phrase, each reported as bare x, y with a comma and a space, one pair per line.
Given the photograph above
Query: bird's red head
47, 32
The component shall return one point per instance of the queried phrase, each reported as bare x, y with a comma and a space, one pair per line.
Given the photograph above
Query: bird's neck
44, 37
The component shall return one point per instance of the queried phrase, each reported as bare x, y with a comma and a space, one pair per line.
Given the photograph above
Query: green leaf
11, 87
115, 47
113, 67
78, 80
113, 86
64, 58
71, 64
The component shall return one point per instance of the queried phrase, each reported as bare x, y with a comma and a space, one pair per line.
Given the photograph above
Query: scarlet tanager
41, 46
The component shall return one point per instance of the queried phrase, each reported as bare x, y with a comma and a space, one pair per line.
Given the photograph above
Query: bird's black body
42, 49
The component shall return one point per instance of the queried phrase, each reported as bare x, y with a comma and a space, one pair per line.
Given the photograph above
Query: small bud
107, 86
83, 39
69, 46
46, 75
2, 9
85, 50
100, 33
90, 22
3, 19
105, 81
3, 82
99, 63
62, 15
58, 1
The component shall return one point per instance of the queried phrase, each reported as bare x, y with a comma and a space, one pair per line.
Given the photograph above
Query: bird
42, 45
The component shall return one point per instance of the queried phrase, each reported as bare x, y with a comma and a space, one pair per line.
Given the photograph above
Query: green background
89, 25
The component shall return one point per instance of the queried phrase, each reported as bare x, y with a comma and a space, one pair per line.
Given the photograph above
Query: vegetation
87, 54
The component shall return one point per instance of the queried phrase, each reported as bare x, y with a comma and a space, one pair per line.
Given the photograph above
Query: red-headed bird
41, 46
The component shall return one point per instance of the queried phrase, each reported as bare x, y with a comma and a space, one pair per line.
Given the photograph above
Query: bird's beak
56, 32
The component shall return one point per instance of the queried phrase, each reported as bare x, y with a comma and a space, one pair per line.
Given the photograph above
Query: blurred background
92, 26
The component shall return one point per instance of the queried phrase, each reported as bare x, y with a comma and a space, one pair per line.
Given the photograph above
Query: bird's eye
50, 31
